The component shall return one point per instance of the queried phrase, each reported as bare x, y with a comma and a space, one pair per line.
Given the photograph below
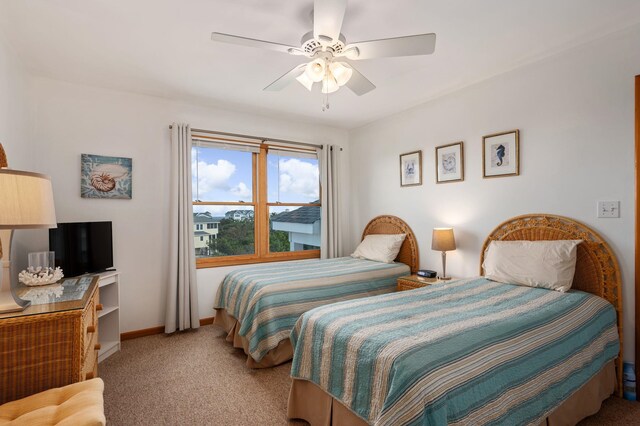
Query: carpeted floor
197, 378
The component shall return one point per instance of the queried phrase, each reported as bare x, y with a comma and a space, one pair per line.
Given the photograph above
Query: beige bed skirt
279, 355
308, 402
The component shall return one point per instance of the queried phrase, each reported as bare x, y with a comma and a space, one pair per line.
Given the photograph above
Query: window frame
261, 205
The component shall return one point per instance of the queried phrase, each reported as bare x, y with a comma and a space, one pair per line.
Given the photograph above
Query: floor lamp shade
26, 200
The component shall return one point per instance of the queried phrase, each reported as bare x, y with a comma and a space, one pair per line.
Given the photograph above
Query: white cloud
212, 176
299, 178
242, 191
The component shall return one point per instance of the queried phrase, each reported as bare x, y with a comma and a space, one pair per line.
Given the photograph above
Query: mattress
465, 352
267, 300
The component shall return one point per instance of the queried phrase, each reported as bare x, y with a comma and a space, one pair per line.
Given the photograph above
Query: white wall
14, 133
575, 115
70, 120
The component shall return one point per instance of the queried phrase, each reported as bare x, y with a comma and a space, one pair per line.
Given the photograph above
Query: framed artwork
450, 163
500, 154
105, 177
411, 168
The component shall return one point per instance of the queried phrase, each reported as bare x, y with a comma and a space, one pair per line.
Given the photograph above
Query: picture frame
450, 163
501, 154
105, 177
411, 168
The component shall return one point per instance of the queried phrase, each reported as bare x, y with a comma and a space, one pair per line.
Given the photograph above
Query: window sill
214, 262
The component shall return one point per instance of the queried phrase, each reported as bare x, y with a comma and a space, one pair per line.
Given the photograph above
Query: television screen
82, 247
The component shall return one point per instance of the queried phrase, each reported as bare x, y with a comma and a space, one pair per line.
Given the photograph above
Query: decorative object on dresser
409, 282
444, 241
53, 342
105, 177
411, 169
450, 163
27, 202
41, 270
501, 154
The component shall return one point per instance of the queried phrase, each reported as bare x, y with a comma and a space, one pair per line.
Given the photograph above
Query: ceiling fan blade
358, 83
422, 44
286, 79
327, 19
250, 42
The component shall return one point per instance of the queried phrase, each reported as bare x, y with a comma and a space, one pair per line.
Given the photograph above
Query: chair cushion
76, 404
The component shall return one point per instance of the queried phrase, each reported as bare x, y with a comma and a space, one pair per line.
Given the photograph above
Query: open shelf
109, 316
108, 348
107, 310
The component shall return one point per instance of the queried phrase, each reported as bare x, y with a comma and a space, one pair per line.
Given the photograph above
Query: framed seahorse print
105, 177
500, 154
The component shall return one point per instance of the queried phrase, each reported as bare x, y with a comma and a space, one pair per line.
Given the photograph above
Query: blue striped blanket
465, 352
268, 299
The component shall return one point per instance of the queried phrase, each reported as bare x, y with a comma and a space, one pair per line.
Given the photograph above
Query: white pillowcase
547, 264
380, 247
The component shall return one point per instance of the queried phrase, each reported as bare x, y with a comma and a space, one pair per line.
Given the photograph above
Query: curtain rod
238, 135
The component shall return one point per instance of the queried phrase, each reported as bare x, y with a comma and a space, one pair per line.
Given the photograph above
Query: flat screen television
82, 247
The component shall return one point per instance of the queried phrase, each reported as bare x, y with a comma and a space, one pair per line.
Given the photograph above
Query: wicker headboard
394, 225
597, 269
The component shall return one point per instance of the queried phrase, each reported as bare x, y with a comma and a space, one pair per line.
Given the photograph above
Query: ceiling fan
329, 51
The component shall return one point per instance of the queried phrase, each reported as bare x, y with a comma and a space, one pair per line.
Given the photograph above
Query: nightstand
409, 282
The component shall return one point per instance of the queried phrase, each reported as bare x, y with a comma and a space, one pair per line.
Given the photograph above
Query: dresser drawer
90, 324
90, 366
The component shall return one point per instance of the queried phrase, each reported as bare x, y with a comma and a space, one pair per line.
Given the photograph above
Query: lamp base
9, 304
444, 278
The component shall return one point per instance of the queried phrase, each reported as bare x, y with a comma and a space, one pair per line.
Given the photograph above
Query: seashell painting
105, 177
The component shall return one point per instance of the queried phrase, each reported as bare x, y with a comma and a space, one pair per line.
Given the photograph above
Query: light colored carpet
197, 378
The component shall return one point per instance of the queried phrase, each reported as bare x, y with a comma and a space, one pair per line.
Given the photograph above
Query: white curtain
330, 240
182, 292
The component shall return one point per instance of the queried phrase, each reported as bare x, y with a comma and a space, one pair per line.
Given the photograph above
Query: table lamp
443, 240
26, 201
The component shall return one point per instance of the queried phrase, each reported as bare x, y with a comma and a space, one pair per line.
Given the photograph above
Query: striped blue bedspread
469, 352
268, 299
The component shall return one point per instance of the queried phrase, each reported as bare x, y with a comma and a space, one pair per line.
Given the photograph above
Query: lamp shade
26, 200
443, 240
341, 72
315, 70
305, 81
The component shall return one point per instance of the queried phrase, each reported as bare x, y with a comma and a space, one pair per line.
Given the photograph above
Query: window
261, 203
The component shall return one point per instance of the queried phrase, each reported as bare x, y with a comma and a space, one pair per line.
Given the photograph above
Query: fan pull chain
325, 97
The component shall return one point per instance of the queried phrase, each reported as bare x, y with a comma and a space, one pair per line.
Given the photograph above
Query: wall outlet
608, 208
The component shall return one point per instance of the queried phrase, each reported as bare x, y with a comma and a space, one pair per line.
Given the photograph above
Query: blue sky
225, 175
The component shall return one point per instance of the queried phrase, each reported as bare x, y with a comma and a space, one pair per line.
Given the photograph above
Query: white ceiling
163, 47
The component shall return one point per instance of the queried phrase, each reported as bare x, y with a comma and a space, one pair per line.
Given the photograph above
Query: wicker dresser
410, 282
50, 344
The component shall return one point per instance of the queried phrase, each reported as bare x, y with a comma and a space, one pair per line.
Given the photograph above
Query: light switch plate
608, 208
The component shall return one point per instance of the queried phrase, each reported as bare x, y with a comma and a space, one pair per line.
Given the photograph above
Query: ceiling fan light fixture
315, 70
329, 84
341, 72
305, 81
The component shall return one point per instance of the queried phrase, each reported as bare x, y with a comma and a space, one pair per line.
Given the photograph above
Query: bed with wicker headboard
258, 305
429, 345
597, 270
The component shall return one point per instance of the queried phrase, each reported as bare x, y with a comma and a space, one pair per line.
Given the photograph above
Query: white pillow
380, 247
547, 264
